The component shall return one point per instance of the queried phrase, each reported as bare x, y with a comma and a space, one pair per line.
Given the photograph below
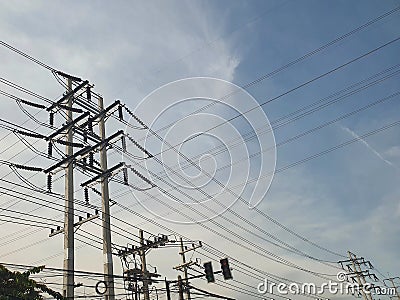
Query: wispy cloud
369, 147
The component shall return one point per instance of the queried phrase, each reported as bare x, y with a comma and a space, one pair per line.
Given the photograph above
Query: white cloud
364, 142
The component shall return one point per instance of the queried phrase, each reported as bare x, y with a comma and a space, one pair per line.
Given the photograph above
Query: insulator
88, 215
27, 168
120, 113
30, 134
90, 125
91, 159
125, 172
85, 136
80, 218
135, 117
49, 182
123, 142
86, 193
88, 93
50, 149
140, 147
51, 119
40, 106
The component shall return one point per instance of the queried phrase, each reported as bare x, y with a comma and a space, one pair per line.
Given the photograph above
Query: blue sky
345, 200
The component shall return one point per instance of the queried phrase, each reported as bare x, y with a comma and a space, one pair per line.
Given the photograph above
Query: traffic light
209, 271
226, 271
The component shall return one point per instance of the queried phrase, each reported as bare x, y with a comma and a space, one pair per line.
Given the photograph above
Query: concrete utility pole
185, 267
68, 278
180, 288
167, 289
105, 197
144, 269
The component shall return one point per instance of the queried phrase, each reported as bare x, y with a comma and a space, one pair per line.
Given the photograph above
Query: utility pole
185, 265
142, 274
180, 288
65, 103
105, 197
142, 254
185, 273
167, 289
68, 278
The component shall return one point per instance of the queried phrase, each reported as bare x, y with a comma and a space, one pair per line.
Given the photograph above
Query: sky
141, 52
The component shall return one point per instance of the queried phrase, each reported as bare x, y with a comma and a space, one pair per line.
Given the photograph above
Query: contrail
355, 135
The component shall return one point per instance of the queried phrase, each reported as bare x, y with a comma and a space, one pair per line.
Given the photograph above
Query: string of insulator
30, 134
135, 117
139, 146
125, 173
50, 149
88, 93
49, 182
86, 194
27, 168
85, 141
141, 176
123, 142
51, 119
120, 113
91, 159
32, 104
90, 125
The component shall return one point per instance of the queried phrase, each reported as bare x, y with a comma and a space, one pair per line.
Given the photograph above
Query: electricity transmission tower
359, 270
93, 143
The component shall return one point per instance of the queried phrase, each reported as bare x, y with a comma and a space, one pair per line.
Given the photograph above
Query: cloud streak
368, 146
